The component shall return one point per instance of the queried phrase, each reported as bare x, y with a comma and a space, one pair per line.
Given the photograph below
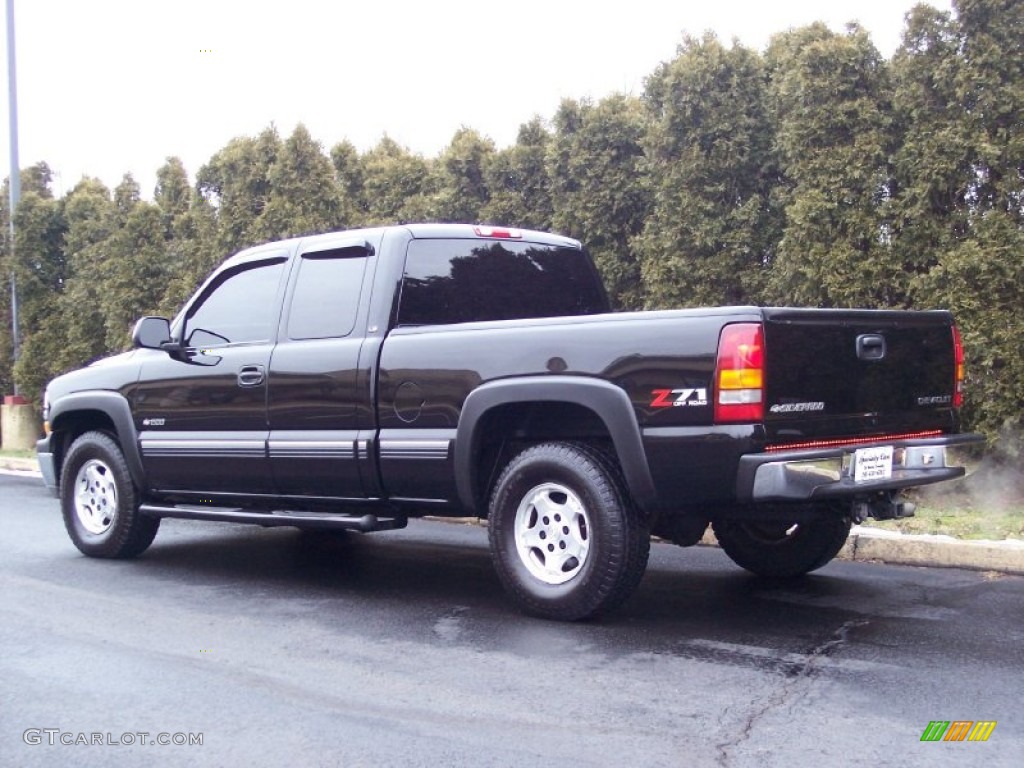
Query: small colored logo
958, 730
668, 398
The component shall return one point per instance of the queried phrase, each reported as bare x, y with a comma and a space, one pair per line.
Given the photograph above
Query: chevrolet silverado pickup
355, 379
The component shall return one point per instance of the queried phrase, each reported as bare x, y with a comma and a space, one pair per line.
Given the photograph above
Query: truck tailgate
835, 374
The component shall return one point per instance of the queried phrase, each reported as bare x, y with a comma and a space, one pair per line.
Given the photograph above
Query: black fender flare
116, 408
608, 402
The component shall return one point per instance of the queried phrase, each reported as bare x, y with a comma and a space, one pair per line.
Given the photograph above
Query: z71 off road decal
669, 398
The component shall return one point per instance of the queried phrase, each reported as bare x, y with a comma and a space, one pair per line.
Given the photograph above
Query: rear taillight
958, 382
739, 375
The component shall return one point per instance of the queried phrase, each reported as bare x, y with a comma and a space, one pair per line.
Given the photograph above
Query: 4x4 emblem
153, 422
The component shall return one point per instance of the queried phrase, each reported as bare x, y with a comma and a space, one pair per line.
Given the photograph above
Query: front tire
782, 550
99, 502
566, 540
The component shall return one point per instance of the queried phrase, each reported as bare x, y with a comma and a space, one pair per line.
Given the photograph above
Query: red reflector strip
505, 234
854, 441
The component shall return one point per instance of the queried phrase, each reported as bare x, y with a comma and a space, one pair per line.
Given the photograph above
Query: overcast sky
107, 87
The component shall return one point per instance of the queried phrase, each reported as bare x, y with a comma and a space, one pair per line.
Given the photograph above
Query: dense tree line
815, 173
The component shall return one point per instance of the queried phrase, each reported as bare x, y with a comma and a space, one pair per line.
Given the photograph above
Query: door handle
250, 376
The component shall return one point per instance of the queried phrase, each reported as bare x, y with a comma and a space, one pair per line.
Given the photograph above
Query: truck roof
488, 231
417, 231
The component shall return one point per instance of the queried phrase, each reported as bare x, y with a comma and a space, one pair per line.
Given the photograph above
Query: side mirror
151, 333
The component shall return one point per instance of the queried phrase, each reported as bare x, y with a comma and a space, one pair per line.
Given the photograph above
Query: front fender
115, 407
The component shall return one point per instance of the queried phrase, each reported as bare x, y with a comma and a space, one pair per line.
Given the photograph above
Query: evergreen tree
517, 180
304, 197
172, 195
40, 269
599, 189
399, 184
833, 138
134, 270
351, 178
236, 184
711, 233
35, 179
978, 204
189, 233
461, 177
39, 262
71, 331
991, 88
932, 164
192, 253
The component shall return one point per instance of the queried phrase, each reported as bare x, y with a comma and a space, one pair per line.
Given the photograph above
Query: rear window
461, 281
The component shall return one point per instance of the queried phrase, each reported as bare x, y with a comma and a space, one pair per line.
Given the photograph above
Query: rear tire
99, 502
782, 550
565, 538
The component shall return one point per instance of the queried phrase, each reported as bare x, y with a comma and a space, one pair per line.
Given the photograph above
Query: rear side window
326, 297
461, 281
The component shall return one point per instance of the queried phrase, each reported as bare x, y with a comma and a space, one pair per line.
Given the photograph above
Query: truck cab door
320, 393
202, 415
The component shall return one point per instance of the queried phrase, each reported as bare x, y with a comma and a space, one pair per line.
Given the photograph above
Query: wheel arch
582, 404
81, 412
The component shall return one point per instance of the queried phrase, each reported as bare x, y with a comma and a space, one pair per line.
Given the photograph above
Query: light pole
15, 184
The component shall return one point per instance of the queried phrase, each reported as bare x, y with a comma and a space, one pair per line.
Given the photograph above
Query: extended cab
353, 380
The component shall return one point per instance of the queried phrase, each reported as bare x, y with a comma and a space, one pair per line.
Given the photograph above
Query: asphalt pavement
277, 647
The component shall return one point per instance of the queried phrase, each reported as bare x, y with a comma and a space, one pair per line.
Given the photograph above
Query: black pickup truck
353, 380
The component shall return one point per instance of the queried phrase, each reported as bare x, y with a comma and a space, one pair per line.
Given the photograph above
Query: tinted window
326, 296
239, 308
458, 281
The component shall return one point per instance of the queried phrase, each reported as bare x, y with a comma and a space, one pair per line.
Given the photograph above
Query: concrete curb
865, 544
877, 545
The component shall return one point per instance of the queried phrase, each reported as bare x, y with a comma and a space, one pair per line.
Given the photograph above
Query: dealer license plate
871, 464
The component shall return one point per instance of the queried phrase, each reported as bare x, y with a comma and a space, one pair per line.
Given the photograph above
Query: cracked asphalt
399, 649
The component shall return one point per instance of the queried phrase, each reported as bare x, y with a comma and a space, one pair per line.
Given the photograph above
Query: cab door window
239, 308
